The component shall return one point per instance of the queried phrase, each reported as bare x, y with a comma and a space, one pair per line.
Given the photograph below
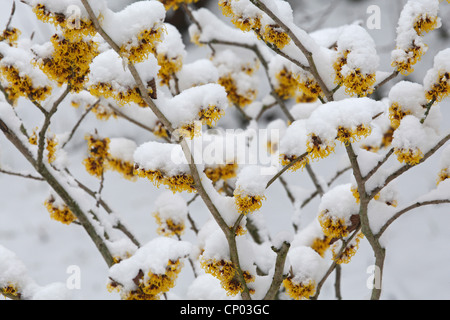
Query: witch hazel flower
170, 53
250, 187
108, 79
306, 267
417, 17
151, 271
170, 213
120, 157
137, 29
215, 260
437, 79
336, 211
69, 16
235, 75
357, 61
406, 98
59, 211
444, 173
19, 77
412, 139
164, 164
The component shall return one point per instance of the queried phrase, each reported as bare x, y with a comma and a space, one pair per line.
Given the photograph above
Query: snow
152, 256
306, 264
122, 149
171, 206
126, 24
363, 54
340, 203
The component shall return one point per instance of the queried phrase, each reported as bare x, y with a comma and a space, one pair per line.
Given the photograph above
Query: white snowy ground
418, 244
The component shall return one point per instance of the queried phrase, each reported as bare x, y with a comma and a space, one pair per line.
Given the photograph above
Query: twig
285, 168
409, 208
45, 126
17, 174
278, 275
74, 129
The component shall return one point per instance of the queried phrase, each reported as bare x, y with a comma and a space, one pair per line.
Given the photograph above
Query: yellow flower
168, 227
70, 61
174, 4
226, 7
221, 172
320, 245
411, 56
125, 168
11, 290
443, 175
287, 84
224, 271
126, 96
190, 130
409, 156
209, 116
440, 89
176, 183
52, 143
73, 30
234, 95
169, 67
396, 114
159, 130
274, 35
33, 139
146, 44
98, 154
318, 148
348, 252
301, 290
59, 212
21, 85
347, 136
10, 35
331, 226
287, 160
151, 285
425, 24
246, 203
355, 81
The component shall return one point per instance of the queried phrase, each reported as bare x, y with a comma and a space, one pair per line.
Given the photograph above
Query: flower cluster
333, 227
321, 245
356, 61
138, 48
51, 147
21, 85
174, 4
416, 18
247, 203
350, 250
299, 290
98, 155
319, 148
69, 62
437, 79
225, 271
170, 214
10, 290
351, 135
221, 172
74, 29
10, 36
158, 163
59, 211
150, 286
